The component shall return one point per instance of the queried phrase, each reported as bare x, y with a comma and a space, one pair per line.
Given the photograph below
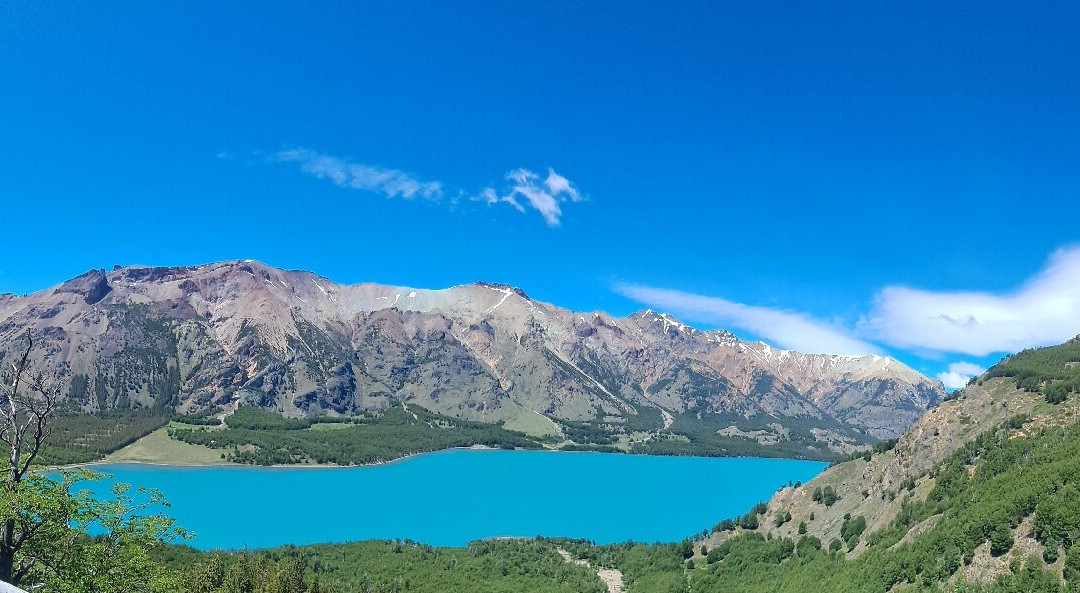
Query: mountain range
242, 333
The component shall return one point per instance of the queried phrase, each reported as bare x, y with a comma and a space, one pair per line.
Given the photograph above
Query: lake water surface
452, 497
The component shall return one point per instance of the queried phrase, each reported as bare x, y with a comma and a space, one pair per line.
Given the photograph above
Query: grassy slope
157, 447
82, 438
1005, 480
530, 422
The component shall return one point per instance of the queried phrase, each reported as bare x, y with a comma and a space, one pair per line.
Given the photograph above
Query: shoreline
329, 466
233, 464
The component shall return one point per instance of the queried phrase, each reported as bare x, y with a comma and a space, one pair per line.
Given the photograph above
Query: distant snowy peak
663, 321
865, 367
800, 367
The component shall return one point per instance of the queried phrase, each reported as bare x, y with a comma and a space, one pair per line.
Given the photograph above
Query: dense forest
261, 437
495, 566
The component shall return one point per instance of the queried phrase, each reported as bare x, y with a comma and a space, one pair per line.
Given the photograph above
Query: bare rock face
291, 341
91, 286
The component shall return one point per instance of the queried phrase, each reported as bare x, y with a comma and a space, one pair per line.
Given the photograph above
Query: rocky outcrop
91, 286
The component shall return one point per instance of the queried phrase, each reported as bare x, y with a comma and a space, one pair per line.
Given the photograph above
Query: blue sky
900, 178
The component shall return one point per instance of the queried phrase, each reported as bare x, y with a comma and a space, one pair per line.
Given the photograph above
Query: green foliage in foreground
265, 438
655, 568
493, 566
52, 521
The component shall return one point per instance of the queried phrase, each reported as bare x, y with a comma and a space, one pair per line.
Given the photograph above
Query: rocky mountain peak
497, 286
92, 286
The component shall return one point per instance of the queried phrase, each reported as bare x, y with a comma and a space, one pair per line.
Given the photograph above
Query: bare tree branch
19, 368
25, 411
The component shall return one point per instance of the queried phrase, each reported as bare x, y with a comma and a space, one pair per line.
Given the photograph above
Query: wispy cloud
392, 183
524, 189
787, 329
1044, 310
544, 196
959, 374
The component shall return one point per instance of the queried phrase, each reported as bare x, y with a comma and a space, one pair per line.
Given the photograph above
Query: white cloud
787, 329
1044, 310
390, 182
959, 374
966, 368
525, 189
544, 196
558, 185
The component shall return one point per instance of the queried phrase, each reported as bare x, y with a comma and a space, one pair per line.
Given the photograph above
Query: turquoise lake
453, 497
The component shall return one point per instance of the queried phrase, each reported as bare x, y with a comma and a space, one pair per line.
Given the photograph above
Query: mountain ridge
235, 332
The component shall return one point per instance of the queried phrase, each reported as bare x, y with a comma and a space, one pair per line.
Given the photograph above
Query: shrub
852, 529
1001, 539
1072, 562
1051, 550
808, 545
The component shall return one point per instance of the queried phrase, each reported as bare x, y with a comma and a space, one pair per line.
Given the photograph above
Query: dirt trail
612, 577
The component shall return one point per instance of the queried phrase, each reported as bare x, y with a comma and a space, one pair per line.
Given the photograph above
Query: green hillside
1053, 371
